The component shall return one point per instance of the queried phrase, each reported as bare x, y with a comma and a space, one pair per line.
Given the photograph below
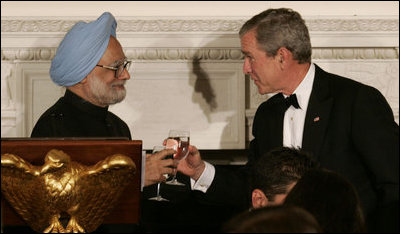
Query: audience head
275, 173
331, 199
276, 28
273, 219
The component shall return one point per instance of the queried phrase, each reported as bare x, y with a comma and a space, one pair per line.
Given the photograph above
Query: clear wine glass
158, 197
179, 141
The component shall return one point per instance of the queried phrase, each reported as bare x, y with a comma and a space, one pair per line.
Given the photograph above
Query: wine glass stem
174, 176
158, 189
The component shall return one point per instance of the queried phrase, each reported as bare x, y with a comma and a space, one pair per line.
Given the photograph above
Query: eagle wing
23, 189
100, 187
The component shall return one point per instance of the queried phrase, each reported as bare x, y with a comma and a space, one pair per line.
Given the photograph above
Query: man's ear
283, 56
258, 199
84, 80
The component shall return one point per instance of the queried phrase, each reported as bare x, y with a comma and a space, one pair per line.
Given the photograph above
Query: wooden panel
87, 152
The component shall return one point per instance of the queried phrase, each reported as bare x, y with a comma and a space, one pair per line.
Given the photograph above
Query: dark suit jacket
349, 128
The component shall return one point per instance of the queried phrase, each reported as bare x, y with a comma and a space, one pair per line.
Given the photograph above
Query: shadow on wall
208, 93
203, 86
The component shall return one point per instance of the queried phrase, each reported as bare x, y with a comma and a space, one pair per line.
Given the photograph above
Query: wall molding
194, 32
52, 24
8, 111
47, 54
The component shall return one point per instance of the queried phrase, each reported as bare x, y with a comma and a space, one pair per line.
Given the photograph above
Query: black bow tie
292, 101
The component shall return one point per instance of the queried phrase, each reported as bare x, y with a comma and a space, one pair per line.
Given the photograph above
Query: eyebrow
246, 53
117, 62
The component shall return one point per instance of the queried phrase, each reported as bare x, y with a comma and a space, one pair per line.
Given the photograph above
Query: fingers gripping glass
179, 141
158, 197
118, 70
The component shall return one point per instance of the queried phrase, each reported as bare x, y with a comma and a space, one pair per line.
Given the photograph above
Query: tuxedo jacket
349, 128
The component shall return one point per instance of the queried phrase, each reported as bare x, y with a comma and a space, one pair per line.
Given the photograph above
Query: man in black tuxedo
347, 126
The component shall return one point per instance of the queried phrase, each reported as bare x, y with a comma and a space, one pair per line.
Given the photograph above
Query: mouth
118, 86
253, 77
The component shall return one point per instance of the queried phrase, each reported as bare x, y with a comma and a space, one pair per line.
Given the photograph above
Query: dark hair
273, 219
282, 27
277, 169
332, 200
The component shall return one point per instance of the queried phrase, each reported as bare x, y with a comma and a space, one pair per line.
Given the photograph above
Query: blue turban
81, 50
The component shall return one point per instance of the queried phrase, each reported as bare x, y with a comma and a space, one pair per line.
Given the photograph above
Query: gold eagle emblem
61, 189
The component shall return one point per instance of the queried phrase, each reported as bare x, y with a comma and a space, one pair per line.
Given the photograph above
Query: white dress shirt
293, 122
293, 127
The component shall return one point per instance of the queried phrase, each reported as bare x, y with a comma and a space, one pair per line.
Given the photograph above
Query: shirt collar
303, 91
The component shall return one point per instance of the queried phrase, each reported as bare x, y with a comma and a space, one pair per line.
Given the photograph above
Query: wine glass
179, 141
158, 197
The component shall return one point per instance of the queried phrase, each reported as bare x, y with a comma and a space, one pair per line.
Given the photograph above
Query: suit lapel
277, 123
318, 113
270, 128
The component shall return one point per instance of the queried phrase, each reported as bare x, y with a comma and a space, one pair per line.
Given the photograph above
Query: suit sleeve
231, 186
45, 127
376, 136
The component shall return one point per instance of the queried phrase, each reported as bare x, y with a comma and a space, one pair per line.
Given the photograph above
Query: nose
125, 75
246, 67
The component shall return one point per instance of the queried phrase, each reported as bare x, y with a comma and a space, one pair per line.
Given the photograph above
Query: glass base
175, 182
158, 198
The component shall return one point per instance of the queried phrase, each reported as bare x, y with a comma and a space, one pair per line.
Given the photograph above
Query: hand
192, 165
157, 166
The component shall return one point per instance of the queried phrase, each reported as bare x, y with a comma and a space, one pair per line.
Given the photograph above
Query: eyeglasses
118, 70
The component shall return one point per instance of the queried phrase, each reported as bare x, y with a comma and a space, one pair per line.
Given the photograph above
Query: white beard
106, 95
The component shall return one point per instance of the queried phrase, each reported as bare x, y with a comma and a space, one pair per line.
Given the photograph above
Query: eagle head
54, 160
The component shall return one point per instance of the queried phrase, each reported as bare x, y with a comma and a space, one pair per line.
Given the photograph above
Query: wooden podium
86, 152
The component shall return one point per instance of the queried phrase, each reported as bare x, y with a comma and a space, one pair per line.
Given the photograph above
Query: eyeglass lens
121, 68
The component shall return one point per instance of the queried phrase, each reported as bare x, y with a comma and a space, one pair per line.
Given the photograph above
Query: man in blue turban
92, 66
81, 50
